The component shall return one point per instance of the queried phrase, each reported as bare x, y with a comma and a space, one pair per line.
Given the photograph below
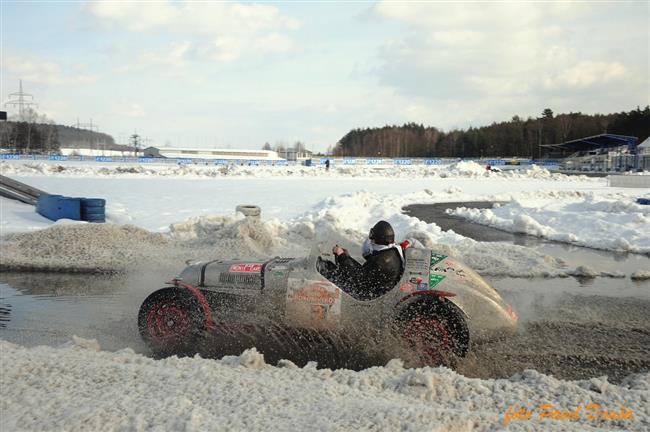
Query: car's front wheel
435, 331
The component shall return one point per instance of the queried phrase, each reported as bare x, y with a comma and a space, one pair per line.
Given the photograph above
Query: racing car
437, 310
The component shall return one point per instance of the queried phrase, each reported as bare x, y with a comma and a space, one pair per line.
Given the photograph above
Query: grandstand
643, 154
599, 153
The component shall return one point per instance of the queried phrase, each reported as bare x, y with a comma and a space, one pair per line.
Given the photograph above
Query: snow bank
617, 224
641, 275
77, 387
97, 248
468, 169
464, 169
194, 227
344, 220
80, 247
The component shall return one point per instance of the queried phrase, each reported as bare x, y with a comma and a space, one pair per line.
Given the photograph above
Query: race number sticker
313, 303
245, 268
417, 263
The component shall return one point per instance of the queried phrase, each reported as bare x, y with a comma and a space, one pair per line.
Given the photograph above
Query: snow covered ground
193, 206
161, 216
609, 223
80, 387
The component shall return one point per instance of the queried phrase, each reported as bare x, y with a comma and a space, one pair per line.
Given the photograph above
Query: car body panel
291, 292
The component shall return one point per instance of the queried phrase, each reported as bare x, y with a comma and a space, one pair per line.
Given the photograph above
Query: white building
294, 155
201, 153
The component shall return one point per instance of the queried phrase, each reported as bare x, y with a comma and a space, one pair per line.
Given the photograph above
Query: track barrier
630, 181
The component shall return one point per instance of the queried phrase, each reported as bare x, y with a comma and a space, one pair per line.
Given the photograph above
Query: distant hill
72, 137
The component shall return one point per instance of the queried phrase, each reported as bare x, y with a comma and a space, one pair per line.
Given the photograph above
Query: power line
22, 100
88, 126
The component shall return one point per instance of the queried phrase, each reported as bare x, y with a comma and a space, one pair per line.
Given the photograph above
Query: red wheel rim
167, 323
429, 337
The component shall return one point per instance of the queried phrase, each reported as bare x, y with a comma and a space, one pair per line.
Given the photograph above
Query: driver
381, 271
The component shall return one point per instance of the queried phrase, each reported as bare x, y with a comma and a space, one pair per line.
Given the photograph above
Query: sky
237, 75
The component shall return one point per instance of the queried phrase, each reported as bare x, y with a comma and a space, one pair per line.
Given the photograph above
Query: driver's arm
344, 260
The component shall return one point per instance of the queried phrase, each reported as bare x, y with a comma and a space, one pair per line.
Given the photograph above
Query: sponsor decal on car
313, 303
245, 268
435, 279
450, 270
436, 258
407, 288
417, 263
315, 293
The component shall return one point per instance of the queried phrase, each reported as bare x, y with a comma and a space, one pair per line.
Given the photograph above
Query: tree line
280, 147
517, 137
46, 137
27, 137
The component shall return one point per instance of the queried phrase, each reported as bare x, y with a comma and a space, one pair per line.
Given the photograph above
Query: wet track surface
563, 332
436, 213
572, 337
569, 328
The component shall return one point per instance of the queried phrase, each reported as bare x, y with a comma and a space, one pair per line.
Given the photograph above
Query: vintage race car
438, 310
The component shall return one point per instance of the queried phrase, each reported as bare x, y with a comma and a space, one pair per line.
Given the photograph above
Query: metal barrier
321, 161
630, 181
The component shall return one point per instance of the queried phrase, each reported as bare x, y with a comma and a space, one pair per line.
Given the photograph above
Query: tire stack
93, 210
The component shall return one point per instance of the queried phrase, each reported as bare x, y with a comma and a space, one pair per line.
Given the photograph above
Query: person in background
327, 165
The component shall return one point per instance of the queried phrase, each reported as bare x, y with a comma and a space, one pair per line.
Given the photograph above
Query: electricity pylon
22, 100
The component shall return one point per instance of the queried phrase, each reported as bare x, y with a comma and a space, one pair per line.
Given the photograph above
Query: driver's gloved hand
325, 267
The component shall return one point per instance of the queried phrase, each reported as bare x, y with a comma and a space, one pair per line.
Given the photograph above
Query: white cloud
501, 56
43, 71
223, 31
274, 42
132, 109
227, 48
585, 74
134, 16
487, 16
497, 85
174, 55
456, 37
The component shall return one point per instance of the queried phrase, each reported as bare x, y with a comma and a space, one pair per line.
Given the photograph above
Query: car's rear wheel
171, 322
436, 332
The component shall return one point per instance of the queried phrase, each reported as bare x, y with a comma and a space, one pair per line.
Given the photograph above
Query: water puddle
48, 309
